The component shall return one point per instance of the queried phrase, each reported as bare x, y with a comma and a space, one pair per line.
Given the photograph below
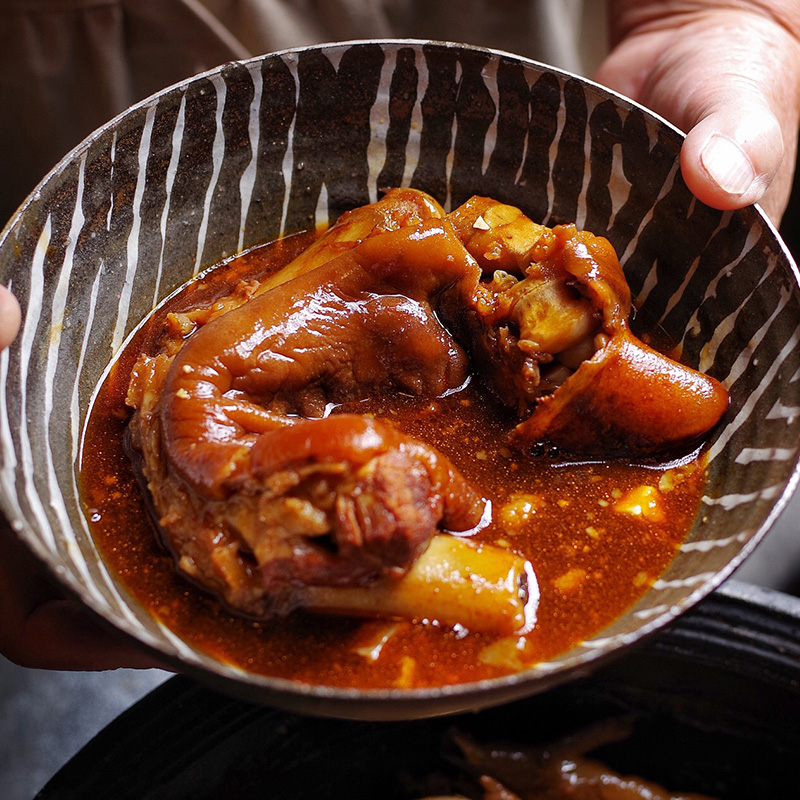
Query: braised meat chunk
551, 334
271, 498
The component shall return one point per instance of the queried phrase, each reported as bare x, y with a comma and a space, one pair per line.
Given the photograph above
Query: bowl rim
289, 52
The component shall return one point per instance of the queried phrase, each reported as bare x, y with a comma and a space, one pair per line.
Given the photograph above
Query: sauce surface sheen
596, 534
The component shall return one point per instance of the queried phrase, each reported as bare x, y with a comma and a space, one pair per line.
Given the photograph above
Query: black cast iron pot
715, 703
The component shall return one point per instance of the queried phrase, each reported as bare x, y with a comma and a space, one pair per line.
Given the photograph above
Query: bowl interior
242, 154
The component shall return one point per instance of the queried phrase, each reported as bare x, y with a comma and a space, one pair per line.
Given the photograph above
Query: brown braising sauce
597, 534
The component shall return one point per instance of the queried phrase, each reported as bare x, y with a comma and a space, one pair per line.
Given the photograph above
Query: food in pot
564, 769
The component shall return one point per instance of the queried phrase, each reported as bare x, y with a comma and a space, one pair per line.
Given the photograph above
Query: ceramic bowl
248, 151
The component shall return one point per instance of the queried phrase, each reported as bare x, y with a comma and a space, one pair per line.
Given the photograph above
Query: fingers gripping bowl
245, 153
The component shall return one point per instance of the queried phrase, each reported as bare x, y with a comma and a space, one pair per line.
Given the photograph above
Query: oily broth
592, 553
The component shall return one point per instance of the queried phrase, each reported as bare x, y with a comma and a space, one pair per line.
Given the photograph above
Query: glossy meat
398, 208
359, 325
258, 491
626, 398
261, 491
554, 341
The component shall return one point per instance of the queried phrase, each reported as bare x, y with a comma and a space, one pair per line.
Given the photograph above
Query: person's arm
727, 72
41, 627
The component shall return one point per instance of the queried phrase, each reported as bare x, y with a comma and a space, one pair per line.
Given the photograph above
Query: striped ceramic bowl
243, 153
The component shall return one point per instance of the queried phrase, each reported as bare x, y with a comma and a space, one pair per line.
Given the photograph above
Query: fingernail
727, 164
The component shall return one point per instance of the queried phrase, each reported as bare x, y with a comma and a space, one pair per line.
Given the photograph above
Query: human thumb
730, 79
9, 317
731, 156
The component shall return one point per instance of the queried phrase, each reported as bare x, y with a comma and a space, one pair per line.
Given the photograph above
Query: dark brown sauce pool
592, 553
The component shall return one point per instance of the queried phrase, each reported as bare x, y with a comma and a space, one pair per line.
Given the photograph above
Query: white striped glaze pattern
238, 155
